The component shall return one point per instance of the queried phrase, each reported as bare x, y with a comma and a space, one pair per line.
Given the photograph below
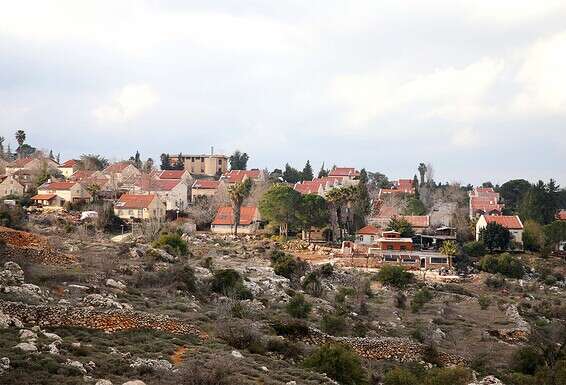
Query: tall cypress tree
307, 172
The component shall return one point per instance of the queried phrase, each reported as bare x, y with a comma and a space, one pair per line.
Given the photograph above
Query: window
130, 212
390, 258
438, 260
389, 247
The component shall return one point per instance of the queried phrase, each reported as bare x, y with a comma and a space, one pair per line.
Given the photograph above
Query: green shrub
172, 242
230, 283
312, 284
400, 376
527, 360
334, 324
444, 376
298, 307
421, 297
475, 249
287, 266
339, 363
506, 264
286, 348
239, 334
484, 301
293, 328
326, 270
394, 276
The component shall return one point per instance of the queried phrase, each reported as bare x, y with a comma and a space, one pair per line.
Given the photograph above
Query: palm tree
340, 200
2, 139
20, 138
238, 192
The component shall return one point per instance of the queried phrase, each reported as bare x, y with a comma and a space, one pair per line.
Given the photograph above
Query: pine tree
51, 155
307, 172
322, 173
58, 157
165, 162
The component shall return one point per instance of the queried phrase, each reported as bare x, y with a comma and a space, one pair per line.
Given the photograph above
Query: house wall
177, 195
366, 239
198, 192
11, 186
228, 229
516, 234
67, 171
156, 210
395, 245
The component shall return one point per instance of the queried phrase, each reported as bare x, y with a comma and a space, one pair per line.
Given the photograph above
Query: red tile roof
368, 230
171, 174
81, 174
405, 185
206, 184
417, 220
344, 171
236, 176
58, 186
157, 184
117, 167
135, 201
561, 215
511, 222
485, 204
43, 197
308, 187
70, 163
18, 163
225, 216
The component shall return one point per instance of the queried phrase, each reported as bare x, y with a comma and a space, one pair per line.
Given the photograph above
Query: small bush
287, 266
394, 276
400, 300
527, 360
172, 242
505, 264
230, 283
286, 348
295, 329
312, 284
400, 376
239, 334
474, 249
444, 376
326, 270
421, 297
334, 324
484, 301
209, 372
496, 281
339, 363
298, 307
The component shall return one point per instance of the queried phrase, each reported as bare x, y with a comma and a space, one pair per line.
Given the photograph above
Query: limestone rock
77, 365
7, 321
4, 365
151, 363
489, 380
134, 382
115, 284
12, 275
237, 354
103, 382
26, 347
27, 335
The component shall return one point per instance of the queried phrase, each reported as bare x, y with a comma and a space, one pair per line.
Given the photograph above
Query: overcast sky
477, 88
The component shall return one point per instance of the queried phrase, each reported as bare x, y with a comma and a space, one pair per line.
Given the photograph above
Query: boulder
7, 321
27, 335
98, 300
103, 382
26, 347
237, 354
134, 382
4, 365
77, 365
12, 275
489, 380
162, 255
151, 364
115, 284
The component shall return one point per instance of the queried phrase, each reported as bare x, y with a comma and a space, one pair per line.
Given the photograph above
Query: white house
511, 222
367, 235
173, 192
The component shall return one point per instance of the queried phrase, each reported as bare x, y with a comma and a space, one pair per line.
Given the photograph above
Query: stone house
69, 167
11, 186
140, 206
67, 191
204, 188
223, 222
511, 222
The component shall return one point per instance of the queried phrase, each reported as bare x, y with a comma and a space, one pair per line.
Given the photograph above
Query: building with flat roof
202, 164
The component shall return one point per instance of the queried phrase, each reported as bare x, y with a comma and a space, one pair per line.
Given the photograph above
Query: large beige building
210, 165
11, 186
66, 191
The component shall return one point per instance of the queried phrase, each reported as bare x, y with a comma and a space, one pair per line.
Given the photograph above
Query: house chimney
211, 150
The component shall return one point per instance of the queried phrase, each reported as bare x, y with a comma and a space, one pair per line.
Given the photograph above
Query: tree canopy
291, 174
401, 226
313, 212
495, 236
540, 203
239, 160
279, 206
307, 173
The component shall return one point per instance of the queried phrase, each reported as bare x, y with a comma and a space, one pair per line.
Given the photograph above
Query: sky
476, 88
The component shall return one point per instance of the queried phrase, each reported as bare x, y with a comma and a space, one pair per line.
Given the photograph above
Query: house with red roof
69, 167
368, 235
66, 192
511, 222
223, 222
238, 176
318, 186
419, 223
348, 173
204, 188
30, 164
401, 186
183, 175
121, 172
484, 201
173, 192
140, 206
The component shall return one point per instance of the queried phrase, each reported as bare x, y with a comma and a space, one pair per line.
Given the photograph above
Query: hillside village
197, 269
